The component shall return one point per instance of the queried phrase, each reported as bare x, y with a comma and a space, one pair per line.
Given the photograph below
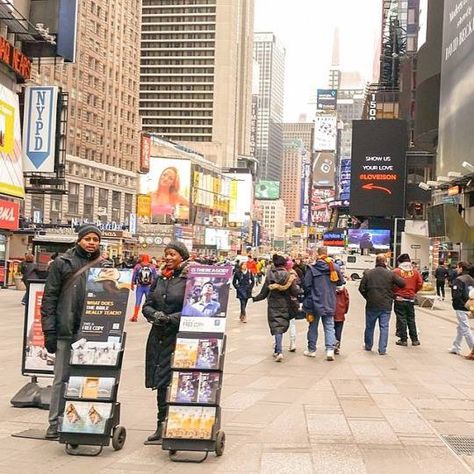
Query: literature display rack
194, 413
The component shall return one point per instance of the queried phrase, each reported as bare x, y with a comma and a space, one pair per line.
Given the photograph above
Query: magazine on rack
190, 422
194, 387
95, 353
86, 417
90, 387
203, 353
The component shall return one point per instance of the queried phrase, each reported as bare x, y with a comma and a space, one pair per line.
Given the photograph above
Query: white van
356, 264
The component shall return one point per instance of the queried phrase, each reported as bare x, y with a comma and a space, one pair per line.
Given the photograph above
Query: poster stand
194, 415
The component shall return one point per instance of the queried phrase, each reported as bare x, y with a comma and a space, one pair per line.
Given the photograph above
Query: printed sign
326, 99
145, 150
325, 132
9, 215
39, 125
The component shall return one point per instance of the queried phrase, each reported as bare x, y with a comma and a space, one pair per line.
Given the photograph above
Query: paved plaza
363, 413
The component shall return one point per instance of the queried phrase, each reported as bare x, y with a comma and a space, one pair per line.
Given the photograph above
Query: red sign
145, 151
9, 215
15, 59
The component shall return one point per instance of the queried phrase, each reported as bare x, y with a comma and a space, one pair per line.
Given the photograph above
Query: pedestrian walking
404, 305
320, 283
162, 309
342, 308
460, 290
252, 267
376, 287
278, 287
294, 305
143, 277
243, 282
61, 311
441, 275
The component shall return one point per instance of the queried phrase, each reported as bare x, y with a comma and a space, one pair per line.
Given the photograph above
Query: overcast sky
306, 29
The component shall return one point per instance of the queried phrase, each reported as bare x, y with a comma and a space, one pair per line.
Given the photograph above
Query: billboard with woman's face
168, 184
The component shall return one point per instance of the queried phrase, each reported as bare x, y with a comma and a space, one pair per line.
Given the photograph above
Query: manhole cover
461, 445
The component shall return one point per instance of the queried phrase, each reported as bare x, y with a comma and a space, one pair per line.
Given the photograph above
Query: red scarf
167, 272
333, 276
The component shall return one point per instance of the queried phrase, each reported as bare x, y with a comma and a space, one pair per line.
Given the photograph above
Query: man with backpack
144, 275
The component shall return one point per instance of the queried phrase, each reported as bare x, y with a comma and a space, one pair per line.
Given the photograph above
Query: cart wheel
220, 443
172, 452
118, 437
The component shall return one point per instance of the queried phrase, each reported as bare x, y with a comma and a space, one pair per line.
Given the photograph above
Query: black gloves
50, 342
160, 318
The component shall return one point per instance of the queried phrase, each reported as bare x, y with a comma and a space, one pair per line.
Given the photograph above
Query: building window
89, 202
116, 202
37, 208
55, 214
73, 199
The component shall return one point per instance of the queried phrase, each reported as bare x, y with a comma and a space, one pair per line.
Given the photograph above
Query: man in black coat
61, 311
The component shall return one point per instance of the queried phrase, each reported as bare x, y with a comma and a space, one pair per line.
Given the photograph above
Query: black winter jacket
279, 286
460, 291
63, 300
166, 295
243, 283
376, 287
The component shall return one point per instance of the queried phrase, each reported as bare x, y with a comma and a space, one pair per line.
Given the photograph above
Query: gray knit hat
179, 247
88, 229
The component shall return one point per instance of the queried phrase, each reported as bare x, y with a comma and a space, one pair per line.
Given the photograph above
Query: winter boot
134, 318
157, 435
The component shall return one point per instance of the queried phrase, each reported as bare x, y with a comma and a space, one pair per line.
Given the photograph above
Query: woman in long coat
280, 287
163, 310
243, 282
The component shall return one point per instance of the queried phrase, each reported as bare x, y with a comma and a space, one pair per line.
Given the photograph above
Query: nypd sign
39, 128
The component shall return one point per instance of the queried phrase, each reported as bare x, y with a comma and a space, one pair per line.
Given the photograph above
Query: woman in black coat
243, 282
279, 287
162, 309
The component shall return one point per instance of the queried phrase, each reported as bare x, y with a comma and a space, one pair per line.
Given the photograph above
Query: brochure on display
86, 417
203, 353
194, 387
206, 299
190, 422
90, 387
95, 353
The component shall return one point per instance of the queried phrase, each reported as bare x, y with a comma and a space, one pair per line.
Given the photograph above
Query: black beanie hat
85, 229
179, 247
404, 257
278, 260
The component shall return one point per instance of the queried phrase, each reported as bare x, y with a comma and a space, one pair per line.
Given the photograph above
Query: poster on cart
105, 306
36, 359
206, 299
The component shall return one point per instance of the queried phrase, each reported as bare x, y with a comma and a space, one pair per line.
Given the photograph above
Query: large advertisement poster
456, 111
325, 132
267, 190
326, 99
241, 197
11, 163
323, 169
168, 185
36, 359
345, 179
378, 170
206, 299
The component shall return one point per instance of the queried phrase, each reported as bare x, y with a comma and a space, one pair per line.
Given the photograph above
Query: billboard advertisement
267, 190
370, 239
39, 128
456, 140
326, 99
241, 197
378, 168
218, 238
11, 170
323, 169
168, 185
325, 132
345, 179
334, 238
145, 151
304, 191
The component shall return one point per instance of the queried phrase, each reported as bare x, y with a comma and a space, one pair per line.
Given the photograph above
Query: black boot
52, 432
157, 435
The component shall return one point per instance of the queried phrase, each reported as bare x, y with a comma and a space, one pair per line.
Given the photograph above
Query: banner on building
241, 196
9, 215
378, 165
325, 132
267, 190
323, 169
11, 169
326, 99
39, 129
145, 152
345, 179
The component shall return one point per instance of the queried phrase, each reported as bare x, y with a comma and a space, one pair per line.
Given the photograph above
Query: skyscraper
196, 74
270, 56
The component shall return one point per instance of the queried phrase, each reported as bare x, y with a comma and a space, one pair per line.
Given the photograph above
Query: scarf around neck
333, 276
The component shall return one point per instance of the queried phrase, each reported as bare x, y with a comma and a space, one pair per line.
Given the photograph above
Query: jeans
338, 325
329, 336
371, 317
405, 311
243, 306
141, 291
278, 343
463, 330
440, 288
61, 376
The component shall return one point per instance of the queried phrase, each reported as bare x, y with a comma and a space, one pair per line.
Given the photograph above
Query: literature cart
194, 414
91, 411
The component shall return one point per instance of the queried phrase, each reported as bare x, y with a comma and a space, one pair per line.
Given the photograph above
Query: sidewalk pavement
363, 413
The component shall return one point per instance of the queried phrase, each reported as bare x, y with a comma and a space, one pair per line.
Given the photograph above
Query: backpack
144, 276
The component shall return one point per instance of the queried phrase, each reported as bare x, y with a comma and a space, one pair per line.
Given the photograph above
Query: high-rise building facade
102, 130
270, 56
273, 217
196, 74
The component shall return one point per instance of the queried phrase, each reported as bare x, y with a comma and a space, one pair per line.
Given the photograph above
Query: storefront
9, 217
119, 243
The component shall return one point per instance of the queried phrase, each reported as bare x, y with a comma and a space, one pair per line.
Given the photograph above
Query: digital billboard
334, 238
323, 169
378, 168
168, 185
369, 239
345, 179
456, 110
241, 196
325, 132
267, 190
326, 99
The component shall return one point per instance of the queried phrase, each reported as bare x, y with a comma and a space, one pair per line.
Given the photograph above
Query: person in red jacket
404, 305
342, 307
252, 266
